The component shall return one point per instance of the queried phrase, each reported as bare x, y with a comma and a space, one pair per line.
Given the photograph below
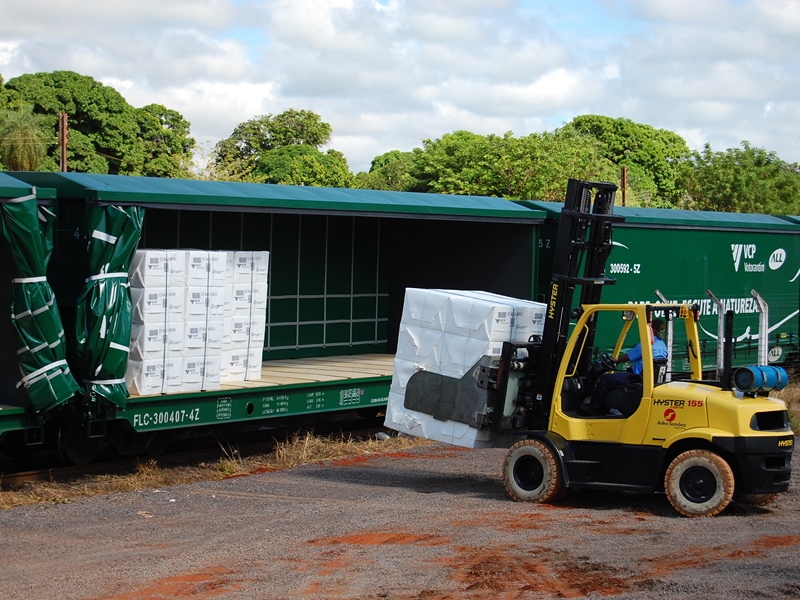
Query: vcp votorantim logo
744, 255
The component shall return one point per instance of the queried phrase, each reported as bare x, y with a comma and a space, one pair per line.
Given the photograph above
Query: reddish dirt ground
429, 524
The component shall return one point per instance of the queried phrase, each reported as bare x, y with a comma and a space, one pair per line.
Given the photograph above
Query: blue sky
387, 74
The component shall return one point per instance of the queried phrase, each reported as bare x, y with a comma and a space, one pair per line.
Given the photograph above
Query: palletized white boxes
158, 269
447, 332
193, 310
151, 340
201, 373
245, 315
206, 267
161, 375
246, 266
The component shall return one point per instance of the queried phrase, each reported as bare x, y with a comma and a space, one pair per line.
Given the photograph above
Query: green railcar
339, 263
717, 260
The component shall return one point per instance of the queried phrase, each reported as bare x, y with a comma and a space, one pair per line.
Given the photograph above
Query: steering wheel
606, 361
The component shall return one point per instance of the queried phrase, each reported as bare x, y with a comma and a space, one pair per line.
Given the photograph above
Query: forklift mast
583, 239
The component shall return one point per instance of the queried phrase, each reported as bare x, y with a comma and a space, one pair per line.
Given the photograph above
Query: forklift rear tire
699, 483
532, 472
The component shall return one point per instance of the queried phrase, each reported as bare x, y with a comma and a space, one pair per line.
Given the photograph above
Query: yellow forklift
702, 442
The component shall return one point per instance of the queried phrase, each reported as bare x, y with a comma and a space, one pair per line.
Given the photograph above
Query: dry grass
150, 474
297, 451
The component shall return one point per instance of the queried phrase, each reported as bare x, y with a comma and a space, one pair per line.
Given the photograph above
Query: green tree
23, 140
105, 133
294, 127
165, 140
544, 163
390, 171
456, 163
302, 164
533, 167
746, 179
244, 149
655, 158
102, 125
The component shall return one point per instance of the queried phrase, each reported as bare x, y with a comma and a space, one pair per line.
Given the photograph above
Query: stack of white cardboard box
245, 315
447, 332
185, 335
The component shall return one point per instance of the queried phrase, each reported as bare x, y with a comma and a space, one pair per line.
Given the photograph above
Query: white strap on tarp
21, 198
29, 279
42, 309
116, 346
106, 276
104, 237
34, 350
38, 311
105, 381
28, 379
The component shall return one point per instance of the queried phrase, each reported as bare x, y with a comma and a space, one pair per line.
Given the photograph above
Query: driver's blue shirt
635, 354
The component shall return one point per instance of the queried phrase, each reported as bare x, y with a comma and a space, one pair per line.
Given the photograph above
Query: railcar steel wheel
75, 447
532, 472
699, 483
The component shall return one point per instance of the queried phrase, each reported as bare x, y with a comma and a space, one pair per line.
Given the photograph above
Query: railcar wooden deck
319, 370
286, 388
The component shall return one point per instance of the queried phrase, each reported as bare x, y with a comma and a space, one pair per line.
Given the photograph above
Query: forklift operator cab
587, 363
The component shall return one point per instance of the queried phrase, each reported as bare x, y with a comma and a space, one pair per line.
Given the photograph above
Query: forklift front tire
756, 499
532, 472
699, 483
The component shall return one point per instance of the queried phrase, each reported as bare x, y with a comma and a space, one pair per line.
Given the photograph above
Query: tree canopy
105, 133
742, 179
302, 164
108, 135
655, 158
536, 166
249, 150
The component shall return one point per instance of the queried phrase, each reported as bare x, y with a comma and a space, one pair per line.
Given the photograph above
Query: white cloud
387, 74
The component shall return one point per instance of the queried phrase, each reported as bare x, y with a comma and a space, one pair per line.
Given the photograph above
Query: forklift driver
612, 381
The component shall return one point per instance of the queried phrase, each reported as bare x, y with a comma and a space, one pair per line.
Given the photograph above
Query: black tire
532, 472
699, 483
756, 499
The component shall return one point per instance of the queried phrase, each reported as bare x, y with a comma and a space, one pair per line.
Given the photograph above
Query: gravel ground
433, 523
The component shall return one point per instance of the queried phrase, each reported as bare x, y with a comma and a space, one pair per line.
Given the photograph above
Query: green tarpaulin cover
103, 317
41, 347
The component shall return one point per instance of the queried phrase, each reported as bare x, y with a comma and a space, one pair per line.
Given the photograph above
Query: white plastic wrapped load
240, 364
206, 302
154, 268
248, 266
527, 316
447, 332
